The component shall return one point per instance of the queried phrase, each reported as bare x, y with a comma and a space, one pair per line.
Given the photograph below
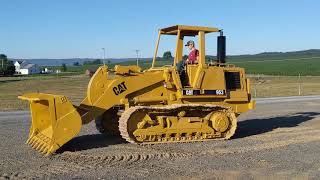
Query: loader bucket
55, 121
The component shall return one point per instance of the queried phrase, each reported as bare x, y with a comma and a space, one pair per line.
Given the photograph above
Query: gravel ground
276, 140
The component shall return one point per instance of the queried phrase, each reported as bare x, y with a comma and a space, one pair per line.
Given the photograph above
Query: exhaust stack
221, 48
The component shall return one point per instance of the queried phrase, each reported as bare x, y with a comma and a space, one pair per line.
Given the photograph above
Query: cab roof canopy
187, 30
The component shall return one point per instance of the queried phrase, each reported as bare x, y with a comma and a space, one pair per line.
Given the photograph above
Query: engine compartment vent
232, 80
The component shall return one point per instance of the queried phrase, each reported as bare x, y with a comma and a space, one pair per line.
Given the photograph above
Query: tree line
6, 66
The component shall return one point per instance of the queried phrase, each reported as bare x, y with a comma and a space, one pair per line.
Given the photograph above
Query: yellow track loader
179, 102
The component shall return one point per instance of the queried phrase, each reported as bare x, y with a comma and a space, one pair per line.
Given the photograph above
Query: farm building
18, 65
22, 67
46, 70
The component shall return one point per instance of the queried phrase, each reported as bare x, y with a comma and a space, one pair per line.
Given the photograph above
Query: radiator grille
232, 80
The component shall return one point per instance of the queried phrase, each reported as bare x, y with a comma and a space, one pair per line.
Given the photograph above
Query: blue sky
80, 28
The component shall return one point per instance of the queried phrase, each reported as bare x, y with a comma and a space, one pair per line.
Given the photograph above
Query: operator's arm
197, 57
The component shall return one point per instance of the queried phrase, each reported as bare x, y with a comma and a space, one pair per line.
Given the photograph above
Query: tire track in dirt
100, 161
72, 162
6, 176
47, 171
69, 163
294, 138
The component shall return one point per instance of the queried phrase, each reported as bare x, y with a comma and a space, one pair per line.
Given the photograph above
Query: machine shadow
245, 129
90, 141
258, 126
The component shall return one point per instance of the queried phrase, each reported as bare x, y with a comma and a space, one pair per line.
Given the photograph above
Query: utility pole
57, 69
104, 56
137, 53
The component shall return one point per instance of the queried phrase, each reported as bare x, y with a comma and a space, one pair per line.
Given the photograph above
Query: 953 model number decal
192, 92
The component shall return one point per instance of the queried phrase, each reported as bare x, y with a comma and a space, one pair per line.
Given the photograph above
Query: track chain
125, 118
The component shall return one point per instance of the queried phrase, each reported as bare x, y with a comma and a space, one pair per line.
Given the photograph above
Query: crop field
288, 67
74, 87
305, 66
305, 63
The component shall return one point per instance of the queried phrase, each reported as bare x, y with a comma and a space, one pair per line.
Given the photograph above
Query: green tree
76, 64
6, 66
167, 55
97, 61
3, 60
63, 67
3, 56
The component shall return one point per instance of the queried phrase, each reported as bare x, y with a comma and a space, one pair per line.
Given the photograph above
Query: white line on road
286, 99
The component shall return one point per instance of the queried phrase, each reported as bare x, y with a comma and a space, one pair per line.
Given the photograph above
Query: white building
21, 67
46, 71
18, 65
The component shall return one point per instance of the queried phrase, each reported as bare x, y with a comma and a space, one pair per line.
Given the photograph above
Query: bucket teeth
33, 142
30, 138
48, 153
40, 143
28, 141
43, 149
38, 146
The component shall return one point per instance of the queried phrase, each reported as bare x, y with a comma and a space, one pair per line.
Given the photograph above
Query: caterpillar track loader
194, 102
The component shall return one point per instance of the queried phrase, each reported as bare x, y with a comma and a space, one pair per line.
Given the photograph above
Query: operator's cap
189, 42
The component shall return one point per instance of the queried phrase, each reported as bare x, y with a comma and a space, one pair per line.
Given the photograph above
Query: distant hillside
265, 56
69, 61
272, 63
305, 52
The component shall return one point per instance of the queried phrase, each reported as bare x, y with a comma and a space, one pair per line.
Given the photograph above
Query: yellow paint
55, 120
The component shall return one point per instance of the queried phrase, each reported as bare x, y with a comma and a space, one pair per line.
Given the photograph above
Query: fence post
299, 84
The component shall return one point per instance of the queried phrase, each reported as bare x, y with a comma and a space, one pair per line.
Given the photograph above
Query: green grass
82, 69
287, 67
288, 64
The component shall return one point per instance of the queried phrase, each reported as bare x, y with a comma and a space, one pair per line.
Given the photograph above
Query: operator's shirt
193, 56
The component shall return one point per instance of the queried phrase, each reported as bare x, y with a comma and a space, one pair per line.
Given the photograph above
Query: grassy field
74, 87
289, 67
273, 65
270, 86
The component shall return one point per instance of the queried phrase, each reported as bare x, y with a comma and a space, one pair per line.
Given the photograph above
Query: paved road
279, 140
286, 99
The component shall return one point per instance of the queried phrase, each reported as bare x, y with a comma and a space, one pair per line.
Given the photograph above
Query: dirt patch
271, 142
